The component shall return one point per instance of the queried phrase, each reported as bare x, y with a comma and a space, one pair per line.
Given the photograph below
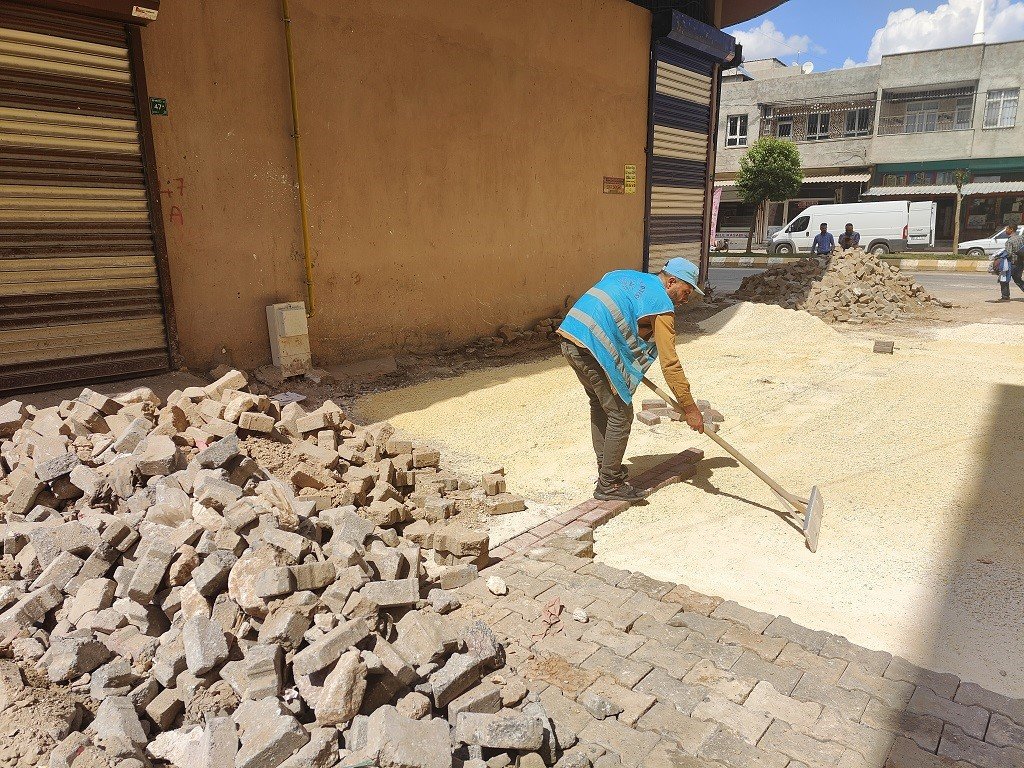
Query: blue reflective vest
605, 320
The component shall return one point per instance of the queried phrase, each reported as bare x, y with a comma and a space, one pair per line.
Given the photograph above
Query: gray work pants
610, 417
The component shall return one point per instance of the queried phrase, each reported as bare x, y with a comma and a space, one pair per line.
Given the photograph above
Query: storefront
993, 194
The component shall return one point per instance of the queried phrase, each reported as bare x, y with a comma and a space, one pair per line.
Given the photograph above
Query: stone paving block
810, 639
555, 670
693, 602
520, 582
710, 628
957, 745
924, 730
895, 693
674, 663
650, 587
730, 749
755, 621
627, 672
971, 693
943, 684
630, 745
768, 648
668, 721
971, 719
571, 598
781, 738
633, 703
569, 717
828, 671
660, 631
573, 651
1003, 732
748, 724
906, 754
668, 690
605, 634
870, 743
726, 684
723, 656
618, 616
668, 754
648, 606
783, 678
764, 698
607, 574
813, 687
872, 662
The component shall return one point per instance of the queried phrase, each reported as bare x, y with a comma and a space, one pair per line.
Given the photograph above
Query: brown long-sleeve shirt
663, 328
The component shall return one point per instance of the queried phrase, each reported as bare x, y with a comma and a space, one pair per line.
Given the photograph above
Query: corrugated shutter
681, 120
79, 292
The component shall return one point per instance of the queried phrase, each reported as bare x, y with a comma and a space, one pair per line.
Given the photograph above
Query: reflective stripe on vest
643, 359
605, 342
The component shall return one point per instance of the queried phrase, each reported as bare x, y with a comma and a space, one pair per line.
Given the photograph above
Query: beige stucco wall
453, 150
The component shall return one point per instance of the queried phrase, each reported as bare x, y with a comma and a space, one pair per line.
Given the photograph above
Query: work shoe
618, 492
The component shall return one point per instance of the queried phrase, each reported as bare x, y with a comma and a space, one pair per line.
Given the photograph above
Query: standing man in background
610, 337
823, 243
849, 238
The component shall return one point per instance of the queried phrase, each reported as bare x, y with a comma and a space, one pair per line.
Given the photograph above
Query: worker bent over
610, 337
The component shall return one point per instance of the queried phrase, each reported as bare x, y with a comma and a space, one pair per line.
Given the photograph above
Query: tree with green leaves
769, 171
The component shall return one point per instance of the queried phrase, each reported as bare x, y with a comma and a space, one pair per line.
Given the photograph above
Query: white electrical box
289, 338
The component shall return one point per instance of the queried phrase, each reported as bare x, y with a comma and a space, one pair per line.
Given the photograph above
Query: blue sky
833, 34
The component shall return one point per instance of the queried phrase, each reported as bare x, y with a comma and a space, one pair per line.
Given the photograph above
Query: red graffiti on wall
177, 217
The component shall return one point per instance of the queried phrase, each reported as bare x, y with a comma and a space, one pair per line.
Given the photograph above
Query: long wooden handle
798, 504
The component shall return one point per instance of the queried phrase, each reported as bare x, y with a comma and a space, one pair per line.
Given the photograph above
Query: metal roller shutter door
79, 291
681, 106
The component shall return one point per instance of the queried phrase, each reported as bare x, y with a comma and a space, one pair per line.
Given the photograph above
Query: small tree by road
769, 171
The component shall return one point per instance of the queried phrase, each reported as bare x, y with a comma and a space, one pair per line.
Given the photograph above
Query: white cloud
767, 41
950, 24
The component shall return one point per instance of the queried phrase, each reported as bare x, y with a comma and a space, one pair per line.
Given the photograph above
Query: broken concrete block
232, 380
117, 722
71, 657
389, 594
158, 455
58, 466
504, 503
151, 571
507, 729
459, 674
12, 416
260, 423
494, 484
425, 457
24, 496
401, 741
269, 741
211, 577
262, 665
205, 646
275, 582
164, 708
343, 691
220, 453
219, 744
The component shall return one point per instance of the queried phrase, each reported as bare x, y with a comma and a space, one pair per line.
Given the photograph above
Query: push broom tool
811, 508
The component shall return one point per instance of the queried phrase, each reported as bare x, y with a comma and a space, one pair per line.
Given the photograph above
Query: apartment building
895, 130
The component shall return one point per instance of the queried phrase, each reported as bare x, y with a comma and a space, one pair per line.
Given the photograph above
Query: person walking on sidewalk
849, 238
1015, 252
610, 338
823, 243
1001, 268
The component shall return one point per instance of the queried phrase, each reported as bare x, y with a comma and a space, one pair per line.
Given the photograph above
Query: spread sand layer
919, 456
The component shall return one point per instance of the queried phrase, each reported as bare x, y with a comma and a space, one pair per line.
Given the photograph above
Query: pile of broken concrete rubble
850, 286
207, 613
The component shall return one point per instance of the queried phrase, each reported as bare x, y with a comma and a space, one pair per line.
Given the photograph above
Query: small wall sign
614, 186
630, 179
141, 12
158, 107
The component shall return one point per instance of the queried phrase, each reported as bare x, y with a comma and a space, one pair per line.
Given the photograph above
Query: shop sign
630, 179
158, 106
614, 186
141, 12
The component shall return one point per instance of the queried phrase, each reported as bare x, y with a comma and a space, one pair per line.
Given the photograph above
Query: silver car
987, 247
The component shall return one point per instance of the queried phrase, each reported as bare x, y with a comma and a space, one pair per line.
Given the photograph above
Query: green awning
978, 165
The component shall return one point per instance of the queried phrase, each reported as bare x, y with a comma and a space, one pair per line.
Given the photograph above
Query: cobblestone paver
648, 674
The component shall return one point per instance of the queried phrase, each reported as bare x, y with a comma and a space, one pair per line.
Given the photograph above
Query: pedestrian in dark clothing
823, 243
849, 238
1015, 251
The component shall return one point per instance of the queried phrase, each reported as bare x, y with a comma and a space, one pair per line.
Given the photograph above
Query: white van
890, 226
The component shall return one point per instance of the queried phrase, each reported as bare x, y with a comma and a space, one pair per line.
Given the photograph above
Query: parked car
890, 226
986, 247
